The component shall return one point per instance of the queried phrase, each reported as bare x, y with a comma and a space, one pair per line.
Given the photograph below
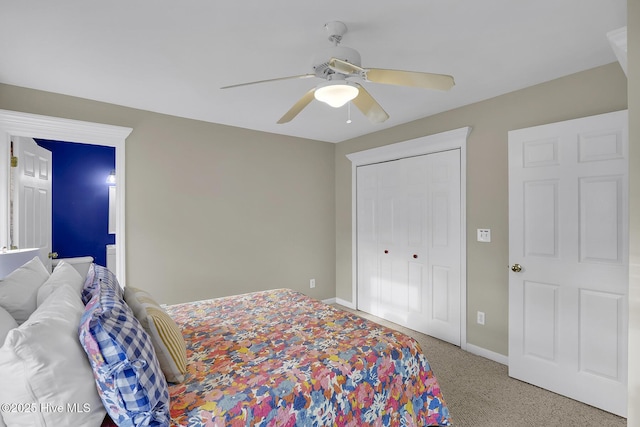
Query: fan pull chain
348, 113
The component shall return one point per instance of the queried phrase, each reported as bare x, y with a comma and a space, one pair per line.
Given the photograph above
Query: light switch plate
484, 235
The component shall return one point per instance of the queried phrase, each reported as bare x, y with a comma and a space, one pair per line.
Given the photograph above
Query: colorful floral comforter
279, 358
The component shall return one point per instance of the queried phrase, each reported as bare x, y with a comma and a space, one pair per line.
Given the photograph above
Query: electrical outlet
480, 318
312, 283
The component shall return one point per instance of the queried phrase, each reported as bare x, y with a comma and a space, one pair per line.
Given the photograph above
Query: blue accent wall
80, 198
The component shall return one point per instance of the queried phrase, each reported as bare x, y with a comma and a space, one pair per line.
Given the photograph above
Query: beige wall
596, 91
633, 72
213, 210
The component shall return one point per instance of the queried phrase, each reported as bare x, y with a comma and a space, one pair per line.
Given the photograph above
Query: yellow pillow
165, 334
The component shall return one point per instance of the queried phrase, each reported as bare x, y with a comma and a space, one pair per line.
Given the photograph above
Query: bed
269, 358
281, 358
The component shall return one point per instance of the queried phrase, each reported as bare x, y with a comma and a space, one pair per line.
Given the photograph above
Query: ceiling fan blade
369, 106
411, 78
344, 67
297, 107
303, 76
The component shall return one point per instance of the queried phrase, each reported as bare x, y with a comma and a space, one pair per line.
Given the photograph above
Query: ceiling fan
341, 71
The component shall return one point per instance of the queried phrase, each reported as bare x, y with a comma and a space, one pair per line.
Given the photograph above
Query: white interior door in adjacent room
32, 202
568, 250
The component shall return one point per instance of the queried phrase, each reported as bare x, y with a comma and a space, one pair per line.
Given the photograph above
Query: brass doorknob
516, 268
53, 255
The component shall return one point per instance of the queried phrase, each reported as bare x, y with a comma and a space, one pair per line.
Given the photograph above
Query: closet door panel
367, 240
444, 245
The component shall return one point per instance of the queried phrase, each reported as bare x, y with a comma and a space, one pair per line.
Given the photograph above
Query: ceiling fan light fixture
336, 93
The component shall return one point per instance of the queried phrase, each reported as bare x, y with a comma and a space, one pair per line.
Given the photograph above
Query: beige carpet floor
480, 393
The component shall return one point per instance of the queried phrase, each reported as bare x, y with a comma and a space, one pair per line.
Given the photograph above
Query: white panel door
443, 239
408, 222
568, 235
367, 240
32, 203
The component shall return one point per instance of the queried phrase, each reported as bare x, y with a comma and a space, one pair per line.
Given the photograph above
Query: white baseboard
488, 354
345, 303
340, 301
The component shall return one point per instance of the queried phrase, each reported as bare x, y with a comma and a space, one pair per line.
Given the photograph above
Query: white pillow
46, 367
64, 273
18, 291
7, 323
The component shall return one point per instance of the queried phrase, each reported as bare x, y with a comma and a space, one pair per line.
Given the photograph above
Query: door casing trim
60, 129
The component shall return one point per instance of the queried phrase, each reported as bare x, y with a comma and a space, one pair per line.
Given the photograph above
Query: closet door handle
415, 256
386, 251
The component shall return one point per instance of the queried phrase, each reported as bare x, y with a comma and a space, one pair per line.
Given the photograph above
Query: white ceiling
173, 56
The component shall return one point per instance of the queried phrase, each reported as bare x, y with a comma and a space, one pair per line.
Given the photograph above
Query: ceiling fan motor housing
335, 30
321, 60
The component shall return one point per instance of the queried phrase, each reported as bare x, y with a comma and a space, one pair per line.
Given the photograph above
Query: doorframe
444, 141
13, 123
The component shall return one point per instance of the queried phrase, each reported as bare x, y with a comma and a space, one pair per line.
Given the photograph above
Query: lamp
111, 179
336, 93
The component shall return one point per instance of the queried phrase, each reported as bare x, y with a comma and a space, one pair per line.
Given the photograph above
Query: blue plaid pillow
132, 387
99, 275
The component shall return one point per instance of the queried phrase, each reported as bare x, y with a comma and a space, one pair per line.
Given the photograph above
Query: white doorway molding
14, 123
450, 140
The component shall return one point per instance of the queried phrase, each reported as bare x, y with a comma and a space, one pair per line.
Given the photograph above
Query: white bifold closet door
408, 242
